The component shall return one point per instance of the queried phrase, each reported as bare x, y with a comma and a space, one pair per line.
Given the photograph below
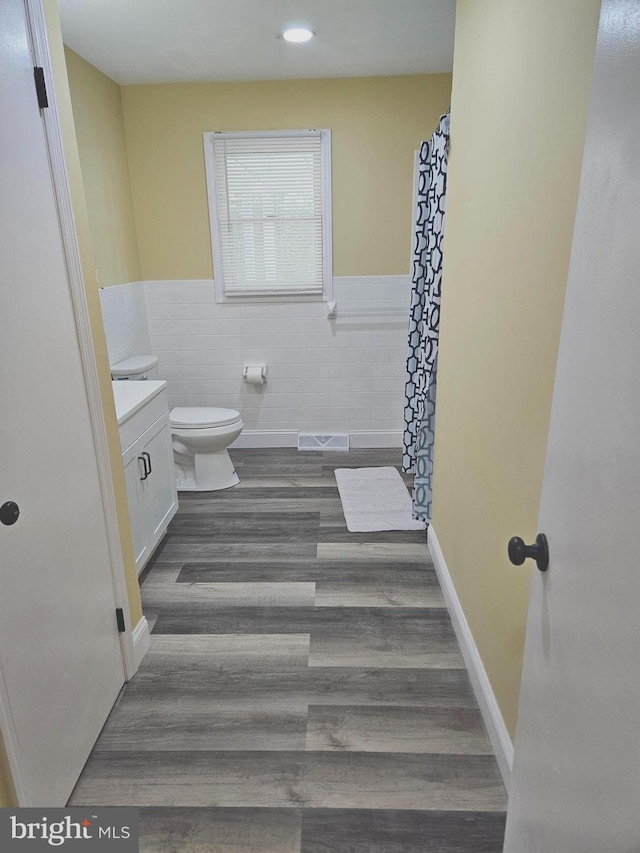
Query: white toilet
138, 367
200, 435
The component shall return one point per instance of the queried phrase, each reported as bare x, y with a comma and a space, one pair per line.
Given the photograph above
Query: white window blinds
268, 217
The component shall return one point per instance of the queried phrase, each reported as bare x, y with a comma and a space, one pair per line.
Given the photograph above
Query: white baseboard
289, 438
375, 438
493, 720
266, 438
141, 642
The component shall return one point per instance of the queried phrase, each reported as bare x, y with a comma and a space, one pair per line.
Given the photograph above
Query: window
269, 206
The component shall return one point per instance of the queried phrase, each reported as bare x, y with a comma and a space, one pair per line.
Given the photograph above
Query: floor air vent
312, 441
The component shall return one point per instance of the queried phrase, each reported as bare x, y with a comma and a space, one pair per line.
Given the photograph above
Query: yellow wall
376, 124
7, 795
87, 257
522, 73
97, 114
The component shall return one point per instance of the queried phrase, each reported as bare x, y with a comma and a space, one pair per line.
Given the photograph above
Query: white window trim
216, 248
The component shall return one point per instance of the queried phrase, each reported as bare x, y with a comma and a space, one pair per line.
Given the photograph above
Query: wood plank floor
304, 691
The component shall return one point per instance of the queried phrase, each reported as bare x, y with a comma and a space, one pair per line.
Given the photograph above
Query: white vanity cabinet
145, 438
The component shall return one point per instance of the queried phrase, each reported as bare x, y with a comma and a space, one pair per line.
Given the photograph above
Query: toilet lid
202, 417
134, 365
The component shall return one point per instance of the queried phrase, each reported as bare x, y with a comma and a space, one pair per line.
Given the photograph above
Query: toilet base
210, 472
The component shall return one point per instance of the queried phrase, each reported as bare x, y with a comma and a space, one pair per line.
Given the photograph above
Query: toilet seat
202, 417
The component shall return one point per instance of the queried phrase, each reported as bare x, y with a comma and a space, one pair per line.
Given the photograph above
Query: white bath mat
375, 499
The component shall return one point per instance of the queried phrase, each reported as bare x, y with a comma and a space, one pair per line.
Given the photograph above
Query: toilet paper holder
254, 374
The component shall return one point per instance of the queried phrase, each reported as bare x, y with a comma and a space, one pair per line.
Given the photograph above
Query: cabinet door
134, 472
161, 497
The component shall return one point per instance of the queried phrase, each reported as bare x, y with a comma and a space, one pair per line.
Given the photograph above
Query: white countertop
130, 396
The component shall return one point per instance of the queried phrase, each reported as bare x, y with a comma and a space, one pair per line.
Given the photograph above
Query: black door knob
9, 512
539, 551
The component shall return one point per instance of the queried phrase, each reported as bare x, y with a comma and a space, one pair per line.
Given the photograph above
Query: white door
576, 781
151, 488
160, 486
60, 658
133, 474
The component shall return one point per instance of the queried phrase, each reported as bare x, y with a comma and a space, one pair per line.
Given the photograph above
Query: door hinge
41, 87
120, 620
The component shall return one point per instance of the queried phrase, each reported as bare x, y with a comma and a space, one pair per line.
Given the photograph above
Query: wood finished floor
304, 691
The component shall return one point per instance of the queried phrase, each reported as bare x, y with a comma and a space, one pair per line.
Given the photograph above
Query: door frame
36, 28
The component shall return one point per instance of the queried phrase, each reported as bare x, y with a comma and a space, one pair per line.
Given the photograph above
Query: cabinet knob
146, 471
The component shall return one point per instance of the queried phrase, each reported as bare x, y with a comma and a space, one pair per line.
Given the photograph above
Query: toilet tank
136, 367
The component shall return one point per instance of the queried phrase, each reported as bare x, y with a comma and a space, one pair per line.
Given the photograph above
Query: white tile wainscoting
342, 375
124, 314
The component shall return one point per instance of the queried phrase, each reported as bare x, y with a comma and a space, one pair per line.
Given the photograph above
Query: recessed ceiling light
297, 35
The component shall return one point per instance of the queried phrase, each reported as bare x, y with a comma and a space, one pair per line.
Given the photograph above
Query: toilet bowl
200, 437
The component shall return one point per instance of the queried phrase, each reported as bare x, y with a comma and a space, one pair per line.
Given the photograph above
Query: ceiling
171, 41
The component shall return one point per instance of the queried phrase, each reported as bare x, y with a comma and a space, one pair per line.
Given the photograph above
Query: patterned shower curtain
424, 319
